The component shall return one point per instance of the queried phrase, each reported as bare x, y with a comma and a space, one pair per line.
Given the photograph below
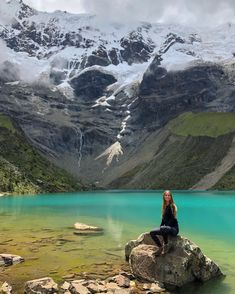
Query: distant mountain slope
96, 97
191, 146
227, 182
24, 170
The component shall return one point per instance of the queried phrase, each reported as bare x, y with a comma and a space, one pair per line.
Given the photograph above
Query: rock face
165, 94
184, 262
91, 84
135, 48
29, 31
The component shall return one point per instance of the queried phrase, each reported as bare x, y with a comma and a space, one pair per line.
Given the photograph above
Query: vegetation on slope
227, 182
212, 124
195, 146
24, 170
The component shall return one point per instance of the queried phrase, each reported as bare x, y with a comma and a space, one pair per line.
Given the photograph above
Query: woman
169, 224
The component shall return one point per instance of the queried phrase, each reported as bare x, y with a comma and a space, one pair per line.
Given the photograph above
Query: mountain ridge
92, 99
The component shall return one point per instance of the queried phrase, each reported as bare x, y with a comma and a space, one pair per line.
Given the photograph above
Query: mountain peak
14, 9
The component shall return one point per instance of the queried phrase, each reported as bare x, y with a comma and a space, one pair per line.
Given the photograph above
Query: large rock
184, 262
144, 238
43, 286
10, 259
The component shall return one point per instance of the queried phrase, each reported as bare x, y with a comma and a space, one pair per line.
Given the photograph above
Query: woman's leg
154, 234
167, 230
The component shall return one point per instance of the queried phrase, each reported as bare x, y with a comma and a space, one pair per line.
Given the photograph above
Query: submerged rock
183, 263
88, 233
83, 229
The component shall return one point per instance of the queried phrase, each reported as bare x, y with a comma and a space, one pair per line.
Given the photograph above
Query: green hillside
227, 182
193, 146
212, 124
24, 170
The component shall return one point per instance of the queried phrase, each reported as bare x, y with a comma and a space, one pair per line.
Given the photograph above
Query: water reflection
115, 230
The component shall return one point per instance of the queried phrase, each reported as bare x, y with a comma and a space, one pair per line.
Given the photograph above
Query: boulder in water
183, 263
10, 259
83, 229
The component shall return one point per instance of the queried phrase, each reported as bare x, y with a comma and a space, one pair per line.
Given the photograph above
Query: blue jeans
164, 231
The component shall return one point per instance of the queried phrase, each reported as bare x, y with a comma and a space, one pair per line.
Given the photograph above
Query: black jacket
169, 219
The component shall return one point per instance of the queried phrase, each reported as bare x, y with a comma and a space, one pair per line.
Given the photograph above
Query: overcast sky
203, 12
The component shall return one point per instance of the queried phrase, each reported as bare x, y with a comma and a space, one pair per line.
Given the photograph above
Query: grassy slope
227, 182
23, 169
196, 145
212, 124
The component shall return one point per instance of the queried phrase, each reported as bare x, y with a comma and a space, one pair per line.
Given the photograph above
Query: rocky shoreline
123, 283
149, 271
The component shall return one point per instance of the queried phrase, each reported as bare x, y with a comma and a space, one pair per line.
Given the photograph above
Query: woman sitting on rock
169, 224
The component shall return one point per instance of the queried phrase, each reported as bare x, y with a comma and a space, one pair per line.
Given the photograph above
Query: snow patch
13, 83
102, 101
111, 152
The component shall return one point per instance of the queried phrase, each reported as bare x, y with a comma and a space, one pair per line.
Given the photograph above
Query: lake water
40, 229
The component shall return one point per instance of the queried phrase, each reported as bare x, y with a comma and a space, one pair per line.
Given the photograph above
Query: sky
194, 12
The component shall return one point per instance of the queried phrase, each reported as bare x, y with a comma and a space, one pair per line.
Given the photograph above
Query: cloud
194, 12
189, 12
73, 6
19, 66
3, 52
8, 71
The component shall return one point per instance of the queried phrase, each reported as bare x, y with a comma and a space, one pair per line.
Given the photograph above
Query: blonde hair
174, 207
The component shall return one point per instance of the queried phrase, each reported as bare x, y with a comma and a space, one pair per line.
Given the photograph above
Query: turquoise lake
40, 229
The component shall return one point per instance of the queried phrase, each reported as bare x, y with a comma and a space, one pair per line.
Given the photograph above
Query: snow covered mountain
69, 42
87, 92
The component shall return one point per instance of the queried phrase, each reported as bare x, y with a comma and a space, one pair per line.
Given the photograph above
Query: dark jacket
169, 219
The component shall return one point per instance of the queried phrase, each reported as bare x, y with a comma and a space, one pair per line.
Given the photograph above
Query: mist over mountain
187, 12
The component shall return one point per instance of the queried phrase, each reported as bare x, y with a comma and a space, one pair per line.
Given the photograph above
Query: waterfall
80, 142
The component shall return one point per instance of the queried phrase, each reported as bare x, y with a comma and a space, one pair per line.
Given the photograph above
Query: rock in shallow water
83, 229
44, 285
5, 288
10, 259
184, 262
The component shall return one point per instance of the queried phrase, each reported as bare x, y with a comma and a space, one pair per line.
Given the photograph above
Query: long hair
172, 204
